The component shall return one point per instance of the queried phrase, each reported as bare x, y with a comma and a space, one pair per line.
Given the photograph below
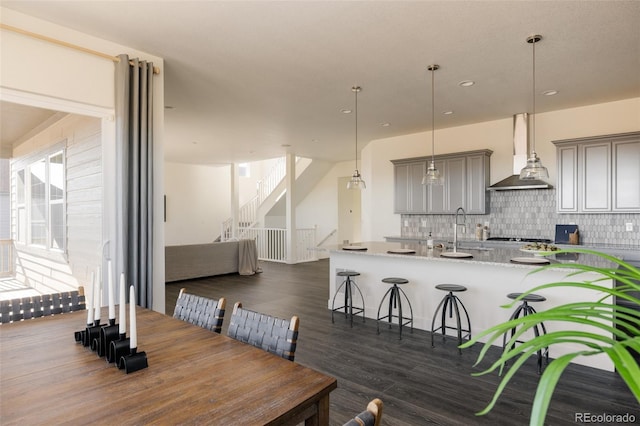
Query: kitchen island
489, 276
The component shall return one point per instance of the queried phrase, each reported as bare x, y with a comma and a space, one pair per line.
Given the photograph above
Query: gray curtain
134, 174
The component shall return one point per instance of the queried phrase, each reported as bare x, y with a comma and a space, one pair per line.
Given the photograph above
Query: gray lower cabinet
466, 177
599, 174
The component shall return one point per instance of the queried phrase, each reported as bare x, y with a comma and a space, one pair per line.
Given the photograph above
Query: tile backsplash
529, 213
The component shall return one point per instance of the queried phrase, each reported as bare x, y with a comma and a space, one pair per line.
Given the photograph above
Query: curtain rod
156, 70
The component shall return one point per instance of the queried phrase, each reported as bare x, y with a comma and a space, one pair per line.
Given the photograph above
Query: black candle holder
133, 362
96, 342
79, 336
118, 349
91, 332
107, 334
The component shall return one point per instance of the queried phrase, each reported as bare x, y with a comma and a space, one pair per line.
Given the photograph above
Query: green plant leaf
609, 328
505, 380
547, 385
626, 366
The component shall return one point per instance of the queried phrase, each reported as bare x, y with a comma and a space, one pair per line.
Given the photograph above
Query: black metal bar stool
452, 303
348, 284
525, 309
395, 302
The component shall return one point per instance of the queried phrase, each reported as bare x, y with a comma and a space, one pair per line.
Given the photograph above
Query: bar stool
395, 302
525, 309
349, 309
453, 304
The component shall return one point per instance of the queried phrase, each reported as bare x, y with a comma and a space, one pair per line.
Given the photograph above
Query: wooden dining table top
194, 376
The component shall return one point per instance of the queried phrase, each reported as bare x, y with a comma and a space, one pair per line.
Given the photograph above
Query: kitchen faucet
455, 227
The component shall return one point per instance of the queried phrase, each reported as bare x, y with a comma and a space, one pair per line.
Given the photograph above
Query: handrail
324, 240
271, 243
272, 180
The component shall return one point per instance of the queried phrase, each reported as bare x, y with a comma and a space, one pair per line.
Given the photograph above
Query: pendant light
433, 176
534, 168
356, 181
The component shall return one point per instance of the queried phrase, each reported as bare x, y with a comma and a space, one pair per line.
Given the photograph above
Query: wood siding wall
48, 270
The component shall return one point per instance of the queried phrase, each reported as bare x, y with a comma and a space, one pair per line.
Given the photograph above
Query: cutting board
562, 233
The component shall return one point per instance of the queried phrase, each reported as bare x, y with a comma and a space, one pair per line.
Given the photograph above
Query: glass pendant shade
534, 169
433, 176
356, 181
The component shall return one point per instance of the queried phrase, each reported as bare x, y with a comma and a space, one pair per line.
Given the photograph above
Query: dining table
194, 376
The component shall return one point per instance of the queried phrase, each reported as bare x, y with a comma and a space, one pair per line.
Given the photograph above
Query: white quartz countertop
501, 255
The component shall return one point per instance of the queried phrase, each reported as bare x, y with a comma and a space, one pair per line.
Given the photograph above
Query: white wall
38, 73
320, 207
378, 218
197, 202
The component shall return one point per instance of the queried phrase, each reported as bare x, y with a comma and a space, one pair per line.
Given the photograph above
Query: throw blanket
247, 257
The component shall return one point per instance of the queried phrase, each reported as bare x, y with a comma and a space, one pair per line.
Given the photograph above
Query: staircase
248, 213
269, 202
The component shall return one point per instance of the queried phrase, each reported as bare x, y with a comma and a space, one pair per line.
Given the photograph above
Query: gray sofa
204, 260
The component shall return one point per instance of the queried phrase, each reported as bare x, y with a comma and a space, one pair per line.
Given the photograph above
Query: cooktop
523, 239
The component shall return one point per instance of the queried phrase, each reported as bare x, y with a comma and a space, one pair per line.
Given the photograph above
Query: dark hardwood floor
418, 384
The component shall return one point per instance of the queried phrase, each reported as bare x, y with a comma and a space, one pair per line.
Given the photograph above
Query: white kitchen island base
489, 276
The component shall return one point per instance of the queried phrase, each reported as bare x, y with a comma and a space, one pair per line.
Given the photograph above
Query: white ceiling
245, 78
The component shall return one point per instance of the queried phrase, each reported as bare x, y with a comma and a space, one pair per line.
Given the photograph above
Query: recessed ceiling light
550, 92
448, 112
466, 83
345, 111
385, 124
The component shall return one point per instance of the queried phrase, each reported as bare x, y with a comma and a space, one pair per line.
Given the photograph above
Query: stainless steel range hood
520, 153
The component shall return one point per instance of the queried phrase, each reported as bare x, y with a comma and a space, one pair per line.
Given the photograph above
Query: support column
235, 199
290, 180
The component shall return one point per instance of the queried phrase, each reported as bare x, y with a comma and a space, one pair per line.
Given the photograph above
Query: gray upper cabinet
466, 177
436, 194
595, 160
477, 197
626, 175
410, 194
599, 174
567, 191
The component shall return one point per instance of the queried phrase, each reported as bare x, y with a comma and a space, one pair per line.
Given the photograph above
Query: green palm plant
619, 322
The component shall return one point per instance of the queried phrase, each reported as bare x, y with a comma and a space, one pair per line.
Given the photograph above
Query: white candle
123, 302
89, 301
96, 299
133, 334
112, 302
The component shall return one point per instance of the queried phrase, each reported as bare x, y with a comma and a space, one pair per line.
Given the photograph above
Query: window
244, 170
21, 209
40, 202
56, 201
38, 213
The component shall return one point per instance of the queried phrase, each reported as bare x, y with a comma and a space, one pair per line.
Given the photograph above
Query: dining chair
29, 307
201, 311
275, 335
370, 417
